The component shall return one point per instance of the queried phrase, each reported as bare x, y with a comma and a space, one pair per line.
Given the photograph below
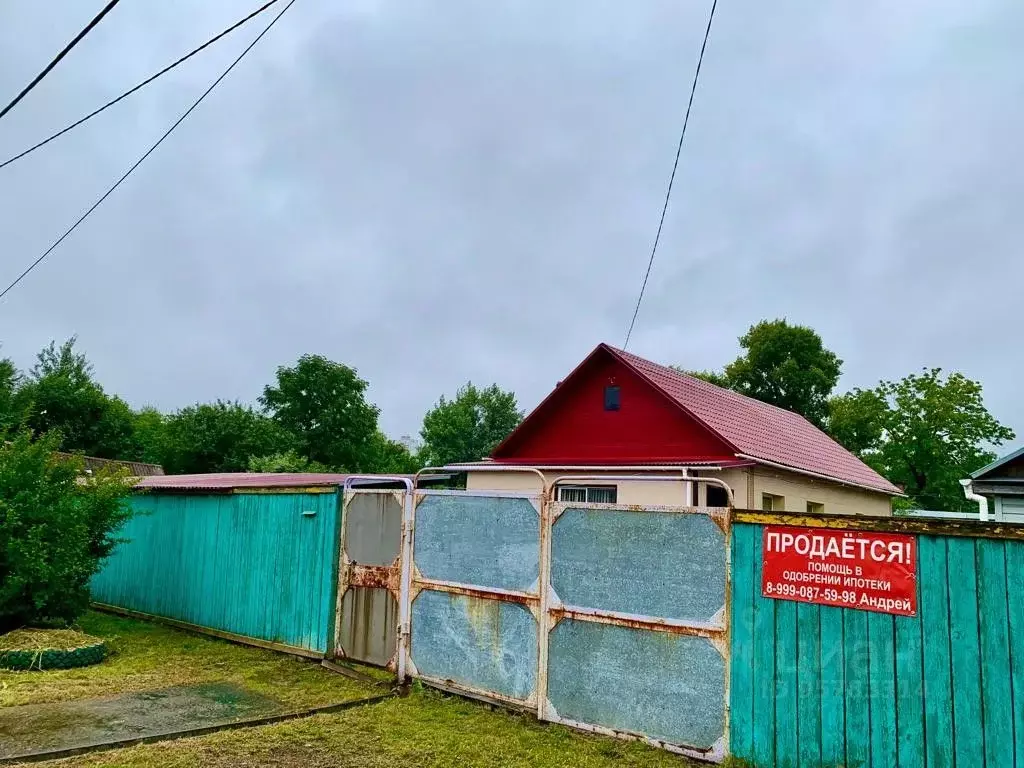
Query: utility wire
148, 152
672, 178
143, 84
67, 48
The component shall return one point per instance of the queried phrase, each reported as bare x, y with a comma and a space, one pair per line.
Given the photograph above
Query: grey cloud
436, 192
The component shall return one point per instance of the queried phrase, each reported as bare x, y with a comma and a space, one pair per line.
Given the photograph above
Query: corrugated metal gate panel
368, 577
638, 609
254, 565
475, 593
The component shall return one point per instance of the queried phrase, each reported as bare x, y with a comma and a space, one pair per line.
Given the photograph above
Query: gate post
544, 590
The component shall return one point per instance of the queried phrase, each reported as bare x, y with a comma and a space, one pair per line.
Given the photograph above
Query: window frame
588, 489
815, 507
612, 397
776, 502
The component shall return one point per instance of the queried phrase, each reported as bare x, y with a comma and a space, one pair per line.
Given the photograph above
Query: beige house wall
669, 492
798, 489
747, 483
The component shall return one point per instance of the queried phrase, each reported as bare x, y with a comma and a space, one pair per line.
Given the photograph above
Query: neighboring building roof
137, 468
747, 428
1001, 462
228, 481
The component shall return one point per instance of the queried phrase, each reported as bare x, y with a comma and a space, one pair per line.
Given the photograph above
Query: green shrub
56, 527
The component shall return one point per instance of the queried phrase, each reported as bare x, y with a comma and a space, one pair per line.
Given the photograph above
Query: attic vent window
611, 397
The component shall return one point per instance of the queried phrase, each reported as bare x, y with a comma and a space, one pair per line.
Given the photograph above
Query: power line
148, 152
67, 48
143, 84
672, 178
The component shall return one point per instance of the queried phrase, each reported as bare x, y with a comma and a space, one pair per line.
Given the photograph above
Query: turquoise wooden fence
817, 686
257, 565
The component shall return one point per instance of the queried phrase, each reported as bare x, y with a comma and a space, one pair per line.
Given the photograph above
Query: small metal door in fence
369, 576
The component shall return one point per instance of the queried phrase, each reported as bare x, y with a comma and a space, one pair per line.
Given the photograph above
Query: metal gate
475, 598
636, 639
610, 618
367, 618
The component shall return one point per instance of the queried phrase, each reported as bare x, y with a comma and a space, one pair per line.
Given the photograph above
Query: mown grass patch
423, 729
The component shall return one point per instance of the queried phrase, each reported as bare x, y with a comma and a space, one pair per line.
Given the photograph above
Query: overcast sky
436, 192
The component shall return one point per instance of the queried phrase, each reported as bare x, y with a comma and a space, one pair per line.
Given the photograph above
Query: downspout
972, 496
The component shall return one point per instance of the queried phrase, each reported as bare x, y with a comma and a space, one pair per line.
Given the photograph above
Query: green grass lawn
424, 729
145, 656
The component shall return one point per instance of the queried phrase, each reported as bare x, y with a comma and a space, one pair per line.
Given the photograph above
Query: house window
772, 503
815, 508
588, 494
611, 397
716, 496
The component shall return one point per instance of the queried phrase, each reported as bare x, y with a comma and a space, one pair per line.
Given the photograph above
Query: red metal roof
227, 481
757, 429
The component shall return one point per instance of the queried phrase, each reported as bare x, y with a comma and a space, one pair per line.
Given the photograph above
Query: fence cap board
973, 529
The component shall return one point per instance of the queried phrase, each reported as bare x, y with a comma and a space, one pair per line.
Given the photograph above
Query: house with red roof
619, 416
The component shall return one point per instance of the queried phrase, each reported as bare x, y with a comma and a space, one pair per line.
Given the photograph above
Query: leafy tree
390, 457
925, 433
788, 366
857, 420
469, 427
323, 403
784, 365
712, 377
56, 527
11, 414
61, 395
289, 461
219, 437
150, 426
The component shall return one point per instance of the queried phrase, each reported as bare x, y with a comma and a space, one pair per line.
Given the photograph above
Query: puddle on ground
34, 728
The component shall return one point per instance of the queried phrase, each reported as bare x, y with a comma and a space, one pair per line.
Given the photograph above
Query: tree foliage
469, 427
288, 461
149, 427
788, 366
323, 404
712, 377
924, 432
61, 395
389, 457
55, 529
219, 437
784, 365
11, 415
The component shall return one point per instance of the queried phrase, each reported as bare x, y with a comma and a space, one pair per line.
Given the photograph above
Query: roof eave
894, 491
997, 463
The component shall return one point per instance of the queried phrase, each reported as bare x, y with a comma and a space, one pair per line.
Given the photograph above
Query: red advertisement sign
848, 569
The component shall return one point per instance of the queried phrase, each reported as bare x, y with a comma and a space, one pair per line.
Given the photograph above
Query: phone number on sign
810, 593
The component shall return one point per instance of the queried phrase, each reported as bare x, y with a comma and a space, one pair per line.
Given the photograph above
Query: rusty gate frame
395, 578
528, 600
547, 608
